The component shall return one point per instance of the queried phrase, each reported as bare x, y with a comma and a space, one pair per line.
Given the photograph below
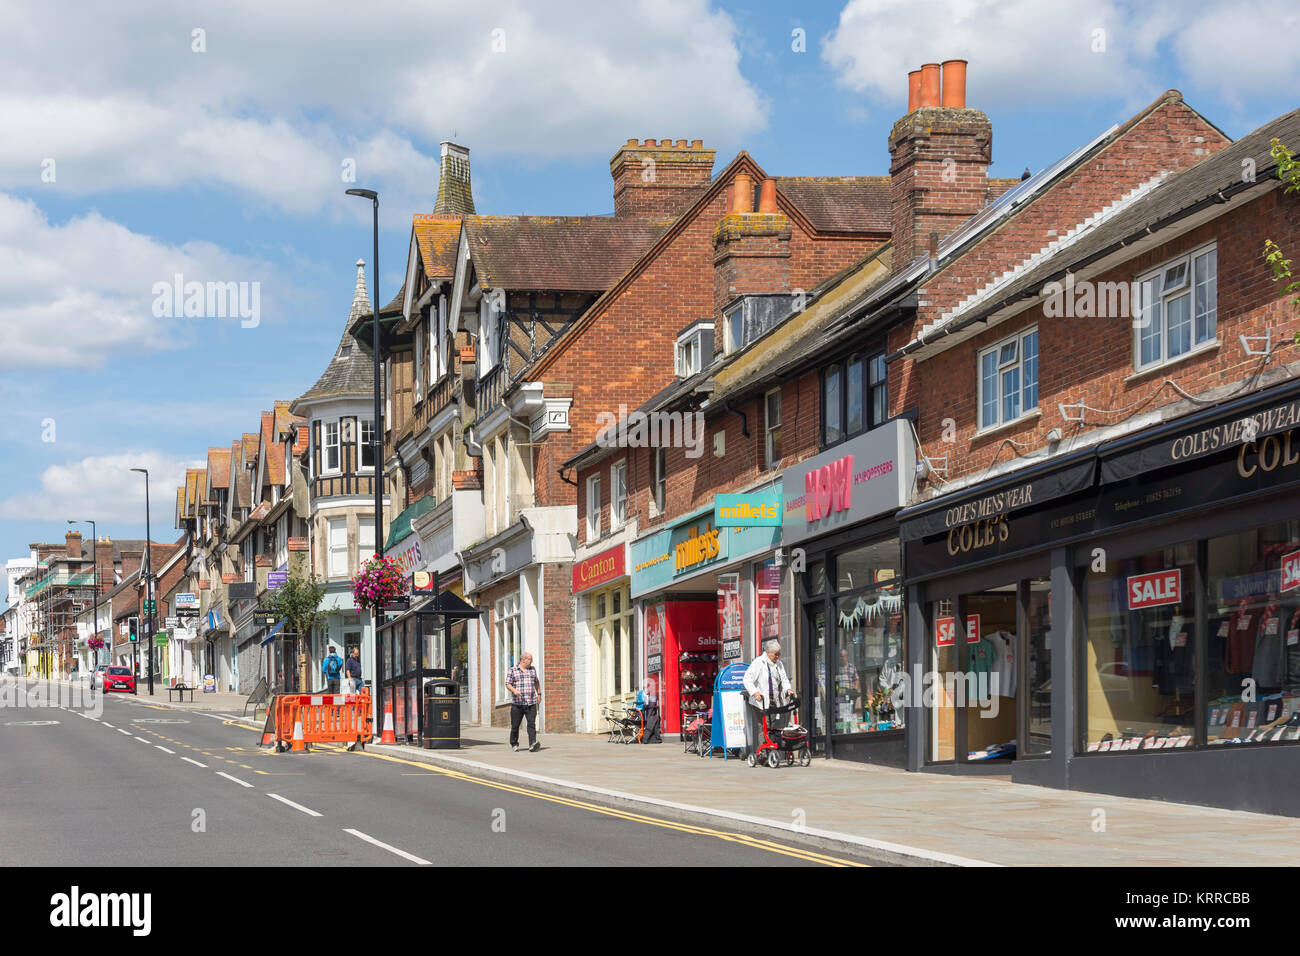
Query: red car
119, 679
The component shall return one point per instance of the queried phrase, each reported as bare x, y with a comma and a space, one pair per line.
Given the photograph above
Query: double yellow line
752, 842
756, 843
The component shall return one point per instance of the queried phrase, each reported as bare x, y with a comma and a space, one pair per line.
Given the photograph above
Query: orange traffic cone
298, 742
388, 736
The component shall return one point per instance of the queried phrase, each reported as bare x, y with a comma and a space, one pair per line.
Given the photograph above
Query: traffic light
133, 626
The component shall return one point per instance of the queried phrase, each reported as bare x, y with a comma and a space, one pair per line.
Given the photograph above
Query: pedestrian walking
526, 693
354, 670
330, 670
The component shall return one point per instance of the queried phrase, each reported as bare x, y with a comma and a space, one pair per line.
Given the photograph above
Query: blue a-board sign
729, 709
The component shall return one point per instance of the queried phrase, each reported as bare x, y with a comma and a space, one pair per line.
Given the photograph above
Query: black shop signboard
1210, 464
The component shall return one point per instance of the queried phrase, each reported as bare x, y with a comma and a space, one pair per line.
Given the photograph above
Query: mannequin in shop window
1173, 662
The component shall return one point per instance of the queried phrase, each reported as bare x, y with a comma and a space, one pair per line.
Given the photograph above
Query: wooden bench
180, 689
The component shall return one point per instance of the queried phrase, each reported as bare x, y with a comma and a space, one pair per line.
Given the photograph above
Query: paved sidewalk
917, 817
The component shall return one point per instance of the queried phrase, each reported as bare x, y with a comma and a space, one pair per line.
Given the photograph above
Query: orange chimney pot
954, 84
930, 84
913, 90
767, 196
742, 193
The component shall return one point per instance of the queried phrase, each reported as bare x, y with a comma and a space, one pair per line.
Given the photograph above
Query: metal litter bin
441, 714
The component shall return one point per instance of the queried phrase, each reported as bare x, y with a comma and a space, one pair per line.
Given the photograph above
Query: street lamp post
94, 620
148, 581
378, 436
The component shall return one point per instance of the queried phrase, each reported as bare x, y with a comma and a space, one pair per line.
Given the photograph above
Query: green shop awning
401, 525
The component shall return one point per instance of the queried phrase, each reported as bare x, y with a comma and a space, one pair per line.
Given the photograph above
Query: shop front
840, 540
605, 627
1131, 615
707, 596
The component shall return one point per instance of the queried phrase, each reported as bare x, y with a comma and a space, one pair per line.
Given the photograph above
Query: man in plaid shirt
526, 692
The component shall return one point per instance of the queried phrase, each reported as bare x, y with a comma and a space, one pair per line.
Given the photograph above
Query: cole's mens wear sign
1210, 463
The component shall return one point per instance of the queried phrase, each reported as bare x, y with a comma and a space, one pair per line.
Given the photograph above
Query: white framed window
1177, 308
419, 363
734, 326
617, 495
593, 507
692, 345
488, 344
388, 395
507, 640
1008, 379
659, 458
443, 337
248, 557
772, 428
338, 548
330, 447
282, 541
365, 539
366, 444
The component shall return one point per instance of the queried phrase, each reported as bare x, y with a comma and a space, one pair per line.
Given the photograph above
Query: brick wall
557, 647
1169, 138
1091, 360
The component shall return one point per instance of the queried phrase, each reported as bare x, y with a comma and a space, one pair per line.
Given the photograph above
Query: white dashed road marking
384, 846
164, 749
195, 762
221, 773
297, 806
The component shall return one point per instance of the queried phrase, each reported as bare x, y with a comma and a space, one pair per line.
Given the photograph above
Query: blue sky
210, 140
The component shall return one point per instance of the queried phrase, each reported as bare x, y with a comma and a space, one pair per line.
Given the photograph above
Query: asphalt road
142, 785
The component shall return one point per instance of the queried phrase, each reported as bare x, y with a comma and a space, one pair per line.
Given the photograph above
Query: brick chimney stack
73, 542
751, 250
658, 177
940, 154
131, 561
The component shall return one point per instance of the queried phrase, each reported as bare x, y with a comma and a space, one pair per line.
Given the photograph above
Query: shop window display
1253, 636
867, 662
1141, 642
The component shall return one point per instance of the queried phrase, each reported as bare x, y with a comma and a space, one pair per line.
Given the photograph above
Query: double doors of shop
986, 683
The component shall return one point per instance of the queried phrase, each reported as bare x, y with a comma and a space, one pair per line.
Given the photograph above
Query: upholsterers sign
858, 479
599, 569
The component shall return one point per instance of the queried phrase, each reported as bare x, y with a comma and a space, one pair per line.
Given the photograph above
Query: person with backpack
331, 670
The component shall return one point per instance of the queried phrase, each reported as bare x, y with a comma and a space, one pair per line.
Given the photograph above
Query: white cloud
1025, 52
107, 481
286, 91
73, 294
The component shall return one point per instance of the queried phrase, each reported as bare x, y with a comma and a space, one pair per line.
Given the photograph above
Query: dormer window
691, 344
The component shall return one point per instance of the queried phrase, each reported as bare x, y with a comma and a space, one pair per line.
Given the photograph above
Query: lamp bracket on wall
1266, 338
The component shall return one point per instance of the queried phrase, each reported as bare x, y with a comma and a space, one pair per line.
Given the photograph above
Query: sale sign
1155, 589
1291, 571
945, 630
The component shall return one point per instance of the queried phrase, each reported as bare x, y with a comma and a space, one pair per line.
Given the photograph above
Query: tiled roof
260, 512
219, 467
283, 418
243, 492
250, 448
275, 463
437, 238
561, 253
840, 203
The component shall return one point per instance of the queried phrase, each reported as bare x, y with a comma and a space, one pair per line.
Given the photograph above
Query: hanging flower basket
379, 581
95, 643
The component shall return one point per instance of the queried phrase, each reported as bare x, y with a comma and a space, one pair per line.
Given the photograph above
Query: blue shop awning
270, 635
